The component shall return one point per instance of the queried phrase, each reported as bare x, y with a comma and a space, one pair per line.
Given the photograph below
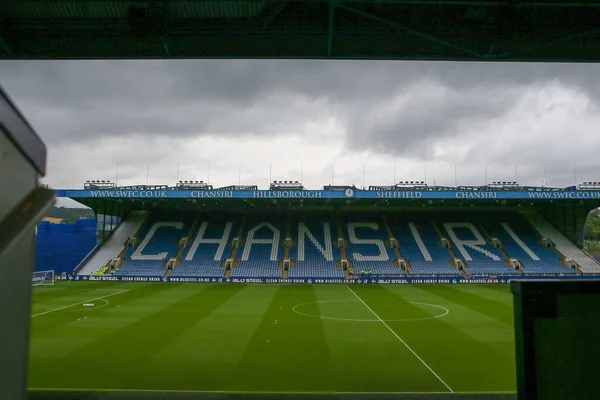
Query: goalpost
43, 278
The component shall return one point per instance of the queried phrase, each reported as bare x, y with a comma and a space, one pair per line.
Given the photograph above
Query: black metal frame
538, 301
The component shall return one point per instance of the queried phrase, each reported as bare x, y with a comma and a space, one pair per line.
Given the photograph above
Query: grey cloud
121, 97
81, 100
77, 103
413, 127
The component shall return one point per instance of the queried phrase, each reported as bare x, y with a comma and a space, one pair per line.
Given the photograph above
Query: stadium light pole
117, 177
363, 176
485, 173
332, 173
455, 177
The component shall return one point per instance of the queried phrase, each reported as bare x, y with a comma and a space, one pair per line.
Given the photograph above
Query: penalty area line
76, 304
401, 340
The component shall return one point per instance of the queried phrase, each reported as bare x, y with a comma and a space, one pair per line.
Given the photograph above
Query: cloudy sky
311, 116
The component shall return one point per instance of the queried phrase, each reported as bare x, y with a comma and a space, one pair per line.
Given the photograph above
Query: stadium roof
315, 200
509, 30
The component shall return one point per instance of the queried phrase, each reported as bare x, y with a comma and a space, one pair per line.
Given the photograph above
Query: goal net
44, 278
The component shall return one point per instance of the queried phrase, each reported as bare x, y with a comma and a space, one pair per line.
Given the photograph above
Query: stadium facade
406, 233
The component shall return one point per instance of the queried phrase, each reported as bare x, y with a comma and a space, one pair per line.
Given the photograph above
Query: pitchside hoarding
362, 281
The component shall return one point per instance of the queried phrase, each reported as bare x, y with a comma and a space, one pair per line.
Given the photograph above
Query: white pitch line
50, 289
191, 391
81, 302
402, 341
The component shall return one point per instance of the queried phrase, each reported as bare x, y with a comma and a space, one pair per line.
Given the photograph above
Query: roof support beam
552, 42
409, 30
483, 3
332, 5
4, 47
460, 30
274, 13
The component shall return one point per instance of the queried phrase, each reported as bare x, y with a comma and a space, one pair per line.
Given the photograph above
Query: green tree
70, 215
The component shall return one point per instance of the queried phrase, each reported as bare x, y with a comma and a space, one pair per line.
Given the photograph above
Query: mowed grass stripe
170, 326
496, 288
82, 302
368, 357
62, 286
489, 292
138, 336
50, 298
498, 310
290, 355
457, 346
474, 324
402, 341
478, 326
54, 337
209, 351
74, 316
214, 338
43, 294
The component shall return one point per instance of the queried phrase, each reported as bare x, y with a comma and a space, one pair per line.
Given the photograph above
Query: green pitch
267, 338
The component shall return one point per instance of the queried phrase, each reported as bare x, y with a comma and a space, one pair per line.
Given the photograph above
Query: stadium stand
586, 263
470, 246
261, 250
159, 243
315, 254
115, 245
367, 237
419, 246
209, 247
520, 242
430, 243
